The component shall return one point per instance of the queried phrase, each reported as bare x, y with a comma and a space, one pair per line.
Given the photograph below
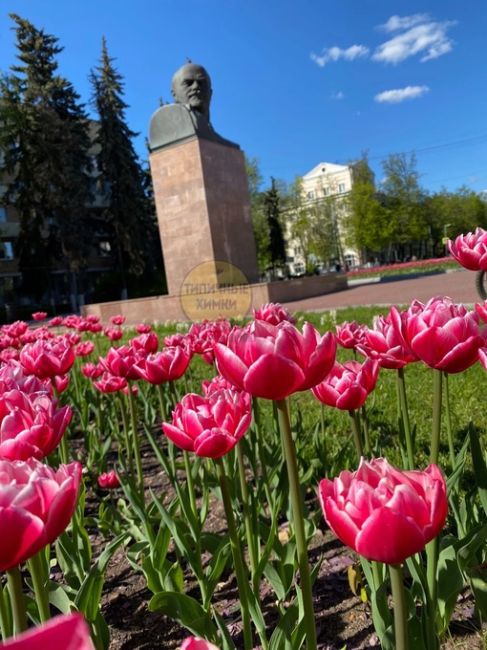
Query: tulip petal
273, 377
340, 523
214, 443
389, 537
229, 365
179, 437
24, 539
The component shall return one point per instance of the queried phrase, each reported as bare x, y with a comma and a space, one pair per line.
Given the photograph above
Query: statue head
191, 85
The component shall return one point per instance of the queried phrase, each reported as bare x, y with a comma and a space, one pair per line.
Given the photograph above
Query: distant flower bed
418, 266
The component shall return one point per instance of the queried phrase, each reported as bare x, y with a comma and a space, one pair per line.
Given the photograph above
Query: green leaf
281, 638
450, 580
217, 565
479, 466
89, 595
186, 611
61, 597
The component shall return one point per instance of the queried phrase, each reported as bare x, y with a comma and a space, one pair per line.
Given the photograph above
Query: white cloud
400, 94
336, 53
337, 95
428, 38
404, 22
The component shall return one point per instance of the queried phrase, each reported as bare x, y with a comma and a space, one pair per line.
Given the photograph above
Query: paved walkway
458, 285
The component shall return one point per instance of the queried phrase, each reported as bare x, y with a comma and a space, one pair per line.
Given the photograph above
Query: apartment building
330, 183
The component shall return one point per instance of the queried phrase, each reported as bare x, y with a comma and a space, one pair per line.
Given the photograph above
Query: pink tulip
36, 505
383, 513
13, 377
470, 250
48, 358
444, 335
120, 362
210, 426
145, 343
143, 328
55, 321
39, 315
84, 349
385, 341
273, 313
92, 370
30, 424
110, 383
205, 335
347, 386
113, 333
118, 319
217, 383
179, 341
68, 632
168, 365
61, 383
71, 321
109, 480
349, 335
274, 361
194, 643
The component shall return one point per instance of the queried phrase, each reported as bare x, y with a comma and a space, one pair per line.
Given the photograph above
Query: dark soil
343, 620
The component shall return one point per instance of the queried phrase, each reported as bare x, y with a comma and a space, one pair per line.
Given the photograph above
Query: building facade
327, 184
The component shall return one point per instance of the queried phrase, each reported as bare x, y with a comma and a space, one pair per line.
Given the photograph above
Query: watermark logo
214, 290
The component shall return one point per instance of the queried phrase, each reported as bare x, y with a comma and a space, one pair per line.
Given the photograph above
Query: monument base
162, 309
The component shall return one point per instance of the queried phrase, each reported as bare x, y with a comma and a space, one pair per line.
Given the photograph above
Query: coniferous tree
128, 208
272, 210
45, 144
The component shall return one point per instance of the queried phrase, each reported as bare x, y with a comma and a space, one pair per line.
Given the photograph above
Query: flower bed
222, 465
434, 265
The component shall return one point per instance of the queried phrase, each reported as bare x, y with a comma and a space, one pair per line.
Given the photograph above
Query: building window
341, 187
311, 195
3, 214
105, 248
326, 191
6, 250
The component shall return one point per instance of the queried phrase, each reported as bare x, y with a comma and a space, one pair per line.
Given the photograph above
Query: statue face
191, 85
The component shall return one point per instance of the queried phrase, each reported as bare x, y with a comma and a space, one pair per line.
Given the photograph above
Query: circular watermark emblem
214, 290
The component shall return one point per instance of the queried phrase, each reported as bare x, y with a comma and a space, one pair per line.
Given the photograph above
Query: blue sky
296, 83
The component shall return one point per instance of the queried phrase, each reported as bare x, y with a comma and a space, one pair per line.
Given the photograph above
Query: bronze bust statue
189, 116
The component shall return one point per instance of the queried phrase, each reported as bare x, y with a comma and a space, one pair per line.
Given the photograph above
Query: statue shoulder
170, 123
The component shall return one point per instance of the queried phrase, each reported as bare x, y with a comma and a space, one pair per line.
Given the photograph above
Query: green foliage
45, 142
272, 210
128, 213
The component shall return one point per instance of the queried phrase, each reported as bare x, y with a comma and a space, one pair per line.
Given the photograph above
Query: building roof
325, 168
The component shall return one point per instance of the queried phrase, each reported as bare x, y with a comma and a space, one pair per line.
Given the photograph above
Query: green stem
298, 522
190, 484
5, 618
400, 608
251, 538
17, 600
39, 580
135, 439
431, 571
436, 428
432, 547
357, 438
126, 433
63, 450
162, 406
260, 451
240, 572
365, 427
449, 431
401, 386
